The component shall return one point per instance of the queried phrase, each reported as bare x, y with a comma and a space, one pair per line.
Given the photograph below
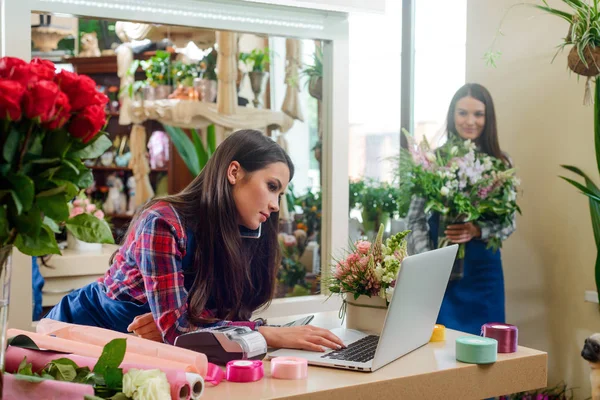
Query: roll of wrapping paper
439, 333
244, 371
88, 350
289, 368
100, 337
17, 389
507, 336
178, 380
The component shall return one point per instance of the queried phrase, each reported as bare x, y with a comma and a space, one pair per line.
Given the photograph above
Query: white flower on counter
151, 384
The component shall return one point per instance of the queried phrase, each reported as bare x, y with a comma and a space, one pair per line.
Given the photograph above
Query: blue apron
91, 306
478, 297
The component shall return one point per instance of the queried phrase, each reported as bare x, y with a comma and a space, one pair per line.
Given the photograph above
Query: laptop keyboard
362, 350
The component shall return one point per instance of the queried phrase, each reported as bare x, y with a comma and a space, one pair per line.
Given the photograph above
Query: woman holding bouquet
207, 256
475, 294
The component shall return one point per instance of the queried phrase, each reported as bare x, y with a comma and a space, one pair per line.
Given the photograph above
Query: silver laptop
409, 322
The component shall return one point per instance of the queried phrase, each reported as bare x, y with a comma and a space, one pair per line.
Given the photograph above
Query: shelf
198, 114
127, 169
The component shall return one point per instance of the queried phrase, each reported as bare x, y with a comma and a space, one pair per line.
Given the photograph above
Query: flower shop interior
342, 87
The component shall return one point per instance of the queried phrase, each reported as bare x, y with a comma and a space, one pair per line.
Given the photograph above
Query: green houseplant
256, 61
583, 35
314, 73
377, 201
194, 152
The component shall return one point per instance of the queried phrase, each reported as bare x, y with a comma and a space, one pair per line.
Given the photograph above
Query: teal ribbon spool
476, 350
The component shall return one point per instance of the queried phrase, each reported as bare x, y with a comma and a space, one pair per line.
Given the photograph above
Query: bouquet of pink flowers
370, 269
460, 183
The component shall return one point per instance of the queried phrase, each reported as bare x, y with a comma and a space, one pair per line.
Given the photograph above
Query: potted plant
314, 73
376, 200
194, 152
583, 18
158, 75
48, 123
183, 76
366, 278
256, 61
82, 205
206, 84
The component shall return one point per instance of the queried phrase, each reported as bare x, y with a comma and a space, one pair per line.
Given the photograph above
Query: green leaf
24, 188
211, 139
112, 356
71, 189
29, 378
88, 397
71, 165
22, 341
40, 245
200, 150
93, 149
76, 172
11, 145
29, 222
56, 144
36, 148
17, 202
52, 192
584, 190
185, 147
90, 229
54, 207
114, 378
50, 223
64, 371
119, 396
25, 368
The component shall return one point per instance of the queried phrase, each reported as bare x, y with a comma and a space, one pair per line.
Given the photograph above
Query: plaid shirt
148, 269
419, 241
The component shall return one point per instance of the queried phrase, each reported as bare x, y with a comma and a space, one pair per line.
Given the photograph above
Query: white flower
430, 157
149, 384
379, 271
389, 292
453, 150
444, 191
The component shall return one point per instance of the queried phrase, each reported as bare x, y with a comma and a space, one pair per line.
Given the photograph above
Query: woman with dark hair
207, 256
475, 296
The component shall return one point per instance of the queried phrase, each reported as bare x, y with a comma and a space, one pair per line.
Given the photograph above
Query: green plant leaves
185, 147
11, 145
90, 229
37, 245
54, 207
96, 148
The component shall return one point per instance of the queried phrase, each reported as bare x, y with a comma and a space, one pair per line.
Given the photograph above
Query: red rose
40, 99
81, 89
87, 123
24, 74
7, 64
11, 94
44, 69
101, 99
62, 112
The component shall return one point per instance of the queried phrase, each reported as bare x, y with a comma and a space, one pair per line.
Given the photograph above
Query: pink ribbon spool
507, 336
289, 368
244, 371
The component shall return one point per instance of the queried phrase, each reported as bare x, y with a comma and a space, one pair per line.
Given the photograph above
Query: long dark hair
237, 275
488, 141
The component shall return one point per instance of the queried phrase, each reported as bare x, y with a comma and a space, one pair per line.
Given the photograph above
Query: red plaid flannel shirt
148, 269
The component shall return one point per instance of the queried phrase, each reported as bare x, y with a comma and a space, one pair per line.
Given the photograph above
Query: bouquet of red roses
49, 122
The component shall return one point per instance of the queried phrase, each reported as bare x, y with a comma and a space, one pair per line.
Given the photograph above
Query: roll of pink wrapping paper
178, 380
99, 337
16, 389
88, 350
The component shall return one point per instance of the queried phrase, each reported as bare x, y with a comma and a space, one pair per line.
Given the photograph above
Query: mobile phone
250, 233
300, 322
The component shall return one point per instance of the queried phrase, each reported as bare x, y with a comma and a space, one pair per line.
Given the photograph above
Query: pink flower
77, 203
363, 246
289, 241
99, 214
75, 211
90, 208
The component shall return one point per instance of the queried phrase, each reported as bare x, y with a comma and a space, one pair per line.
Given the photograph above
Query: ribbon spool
289, 368
439, 333
196, 383
244, 371
476, 350
507, 336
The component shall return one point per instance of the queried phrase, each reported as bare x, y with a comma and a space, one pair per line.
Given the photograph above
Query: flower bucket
78, 245
365, 313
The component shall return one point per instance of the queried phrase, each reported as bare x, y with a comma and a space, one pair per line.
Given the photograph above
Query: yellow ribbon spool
439, 333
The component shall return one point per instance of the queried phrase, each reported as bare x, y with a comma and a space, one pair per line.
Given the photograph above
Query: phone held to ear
249, 233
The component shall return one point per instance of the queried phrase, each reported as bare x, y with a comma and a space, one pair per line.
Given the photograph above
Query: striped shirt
148, 268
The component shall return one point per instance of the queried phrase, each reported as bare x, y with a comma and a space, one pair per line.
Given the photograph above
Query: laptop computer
409, 322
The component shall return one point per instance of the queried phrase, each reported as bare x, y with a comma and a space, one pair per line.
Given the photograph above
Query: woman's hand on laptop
305, 337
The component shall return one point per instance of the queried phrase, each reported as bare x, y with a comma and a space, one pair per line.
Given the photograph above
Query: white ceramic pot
78, 245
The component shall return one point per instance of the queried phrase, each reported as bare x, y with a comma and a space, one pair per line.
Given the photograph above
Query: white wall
549, 261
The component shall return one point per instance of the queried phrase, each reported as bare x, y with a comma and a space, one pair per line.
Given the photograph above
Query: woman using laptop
478, 296
207, 256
